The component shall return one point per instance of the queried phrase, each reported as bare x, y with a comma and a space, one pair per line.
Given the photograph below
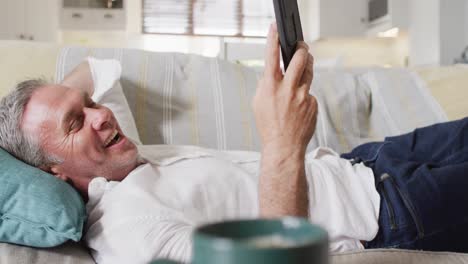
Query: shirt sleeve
141, 239
168, 239
345, 245
108, 92
105, 74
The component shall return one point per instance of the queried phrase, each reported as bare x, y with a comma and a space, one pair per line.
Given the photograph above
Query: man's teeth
106, 144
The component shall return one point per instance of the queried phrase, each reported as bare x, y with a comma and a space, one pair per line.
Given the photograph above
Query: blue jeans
422, 179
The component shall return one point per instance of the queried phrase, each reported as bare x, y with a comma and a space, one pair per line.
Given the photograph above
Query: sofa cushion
181, 99
36, 208
74, 253
448, 86
68, 253
392, 256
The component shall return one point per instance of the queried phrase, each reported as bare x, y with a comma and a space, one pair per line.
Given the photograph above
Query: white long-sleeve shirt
153, 212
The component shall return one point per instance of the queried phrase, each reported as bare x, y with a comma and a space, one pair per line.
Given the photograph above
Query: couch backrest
449, 85
181, 99
193, 100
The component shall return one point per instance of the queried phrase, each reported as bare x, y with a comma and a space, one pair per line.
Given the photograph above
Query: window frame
190, 30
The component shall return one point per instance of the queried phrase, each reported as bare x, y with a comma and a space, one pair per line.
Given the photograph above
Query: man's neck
82, 188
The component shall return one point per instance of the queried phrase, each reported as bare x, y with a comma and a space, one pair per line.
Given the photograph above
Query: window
242, 18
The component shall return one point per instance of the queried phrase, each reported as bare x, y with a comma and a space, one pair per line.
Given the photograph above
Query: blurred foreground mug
273, 241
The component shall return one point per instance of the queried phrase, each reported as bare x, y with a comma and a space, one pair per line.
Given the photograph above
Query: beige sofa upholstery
68, 253
20, 60
449, 85
394, 256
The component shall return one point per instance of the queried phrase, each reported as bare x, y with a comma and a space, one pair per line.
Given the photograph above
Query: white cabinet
92, 19
29, 20
3, 24
397, 16
93, 15
333, 18
14, 15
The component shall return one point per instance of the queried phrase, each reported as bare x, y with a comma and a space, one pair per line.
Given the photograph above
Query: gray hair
12, 138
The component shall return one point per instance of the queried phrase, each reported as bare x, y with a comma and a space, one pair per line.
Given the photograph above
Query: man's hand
285, 112
286, 116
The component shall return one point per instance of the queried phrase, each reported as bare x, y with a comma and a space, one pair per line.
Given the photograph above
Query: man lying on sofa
144, 201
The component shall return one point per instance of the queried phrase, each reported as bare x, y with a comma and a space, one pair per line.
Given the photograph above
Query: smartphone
289, 28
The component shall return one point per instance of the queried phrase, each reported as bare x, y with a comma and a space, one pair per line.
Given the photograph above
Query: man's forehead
52, 92
47, 105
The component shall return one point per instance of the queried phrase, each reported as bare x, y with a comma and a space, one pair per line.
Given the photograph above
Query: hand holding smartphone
289, 28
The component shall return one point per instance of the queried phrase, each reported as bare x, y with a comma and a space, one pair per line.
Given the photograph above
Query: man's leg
440, 198
430, 171
434, 143
424, 176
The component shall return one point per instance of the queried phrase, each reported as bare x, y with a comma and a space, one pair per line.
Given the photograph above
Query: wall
134, 20
361, 52
3, 21
342, 18
438, 31
452, 30
132, 37
309, 10
348, 52
304, 11
424, 32
206, 46
332, 18
466, 21
351, 51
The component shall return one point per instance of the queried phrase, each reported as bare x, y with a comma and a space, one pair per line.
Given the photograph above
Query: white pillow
108, 92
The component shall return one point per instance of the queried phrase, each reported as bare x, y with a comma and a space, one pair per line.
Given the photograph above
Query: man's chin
126, 164
124, 157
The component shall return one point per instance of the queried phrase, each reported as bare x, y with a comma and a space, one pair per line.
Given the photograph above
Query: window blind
243, 18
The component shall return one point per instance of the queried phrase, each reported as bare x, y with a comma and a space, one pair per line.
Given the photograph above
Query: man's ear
54, 170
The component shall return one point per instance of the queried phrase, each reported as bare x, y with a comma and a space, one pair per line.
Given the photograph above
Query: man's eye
76, 124
91, 104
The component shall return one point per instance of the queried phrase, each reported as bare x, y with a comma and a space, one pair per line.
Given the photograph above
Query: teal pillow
36, 208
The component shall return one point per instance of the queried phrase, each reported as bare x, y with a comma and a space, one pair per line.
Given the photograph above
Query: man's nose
99, 117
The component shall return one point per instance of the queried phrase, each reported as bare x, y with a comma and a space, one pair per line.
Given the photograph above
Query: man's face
84, 135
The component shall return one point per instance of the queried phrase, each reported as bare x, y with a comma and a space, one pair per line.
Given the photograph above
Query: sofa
439, 94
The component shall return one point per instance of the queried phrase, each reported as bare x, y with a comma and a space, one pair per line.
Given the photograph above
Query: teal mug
286, 240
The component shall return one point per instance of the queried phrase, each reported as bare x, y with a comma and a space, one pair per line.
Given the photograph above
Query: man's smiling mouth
113, 139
